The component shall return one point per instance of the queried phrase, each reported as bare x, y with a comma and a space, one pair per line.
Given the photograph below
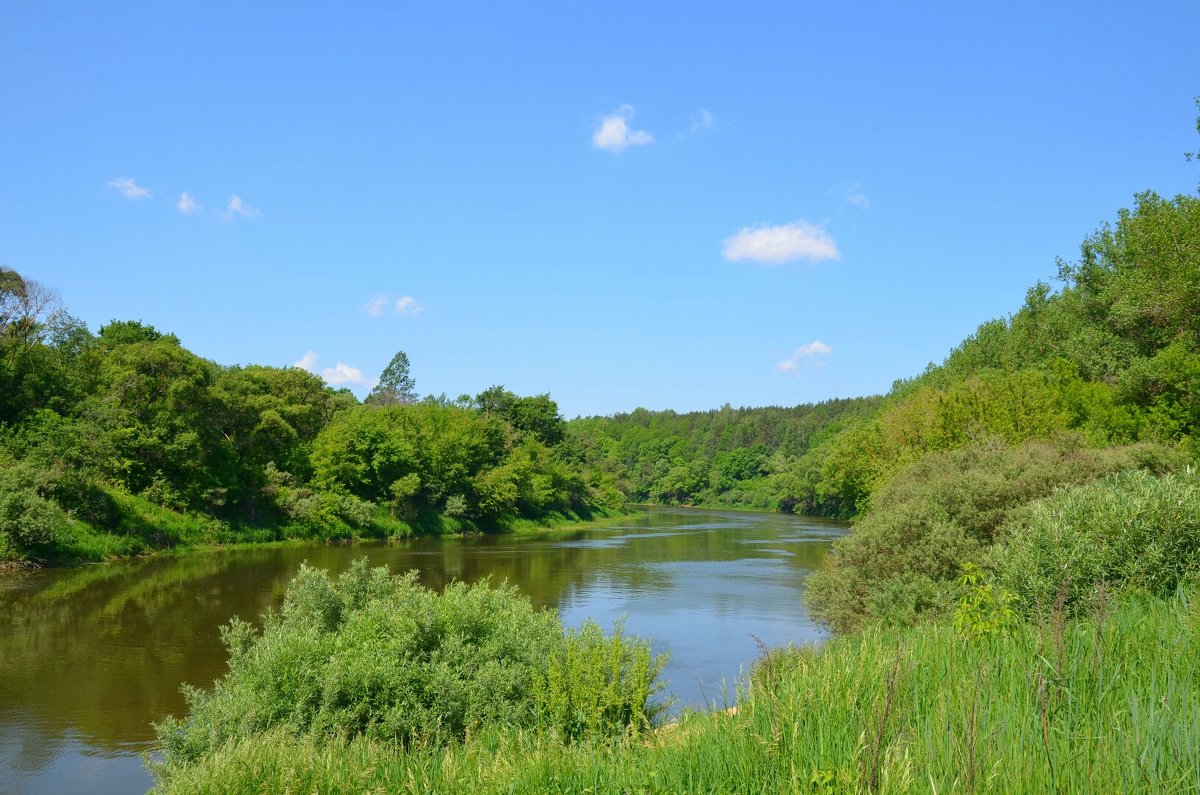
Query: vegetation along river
90, 657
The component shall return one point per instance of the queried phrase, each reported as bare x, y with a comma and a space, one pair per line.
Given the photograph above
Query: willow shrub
1131, 530
903, 560
29, 519
378, 656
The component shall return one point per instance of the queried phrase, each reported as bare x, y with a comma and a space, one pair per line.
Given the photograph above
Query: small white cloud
307, 362
804, 352
341, 374
377, 305
338, 375
129, 189
614, 133
701, 120
855, 196
236, 208
407, 305
778, 244
187, 204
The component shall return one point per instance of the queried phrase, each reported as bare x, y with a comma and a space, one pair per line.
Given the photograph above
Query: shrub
28, 518
597, 686
1131, 530
378, 656
902, 561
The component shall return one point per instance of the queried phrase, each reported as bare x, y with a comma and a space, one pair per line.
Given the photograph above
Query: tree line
1110, 358
121, 441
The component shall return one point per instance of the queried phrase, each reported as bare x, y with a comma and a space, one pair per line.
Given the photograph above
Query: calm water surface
90, 657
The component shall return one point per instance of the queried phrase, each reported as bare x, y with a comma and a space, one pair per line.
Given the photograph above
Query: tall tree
396, 386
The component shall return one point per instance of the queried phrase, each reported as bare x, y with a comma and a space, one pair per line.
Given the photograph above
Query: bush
903, 560
594, 686
1131, 530
28, 518
376, 656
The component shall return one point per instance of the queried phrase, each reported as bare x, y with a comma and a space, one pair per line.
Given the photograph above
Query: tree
395, 385
24, 307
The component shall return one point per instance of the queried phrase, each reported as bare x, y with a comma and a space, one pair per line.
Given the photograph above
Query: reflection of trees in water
101, 650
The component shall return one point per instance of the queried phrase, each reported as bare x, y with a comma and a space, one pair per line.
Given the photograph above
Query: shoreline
520, 528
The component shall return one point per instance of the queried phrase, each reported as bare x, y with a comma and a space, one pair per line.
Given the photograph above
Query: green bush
597, 686
28, 518
379, 656
903, 559
1131, 530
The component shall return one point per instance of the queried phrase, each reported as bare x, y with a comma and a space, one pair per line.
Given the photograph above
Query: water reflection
90, 657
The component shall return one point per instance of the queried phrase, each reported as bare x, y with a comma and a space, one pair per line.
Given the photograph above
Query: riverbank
1069, 706
738, 508
151, 530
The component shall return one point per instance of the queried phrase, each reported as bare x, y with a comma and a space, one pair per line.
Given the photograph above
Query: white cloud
236, 208
855, 196
307, 362
377, 305
129, 189
187, 204
407, 305
614, 133
778, 244
701, 120
341, 374
812, 349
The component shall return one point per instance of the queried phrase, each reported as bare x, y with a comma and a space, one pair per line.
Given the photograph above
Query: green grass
595, 518
146, 528
1110, 703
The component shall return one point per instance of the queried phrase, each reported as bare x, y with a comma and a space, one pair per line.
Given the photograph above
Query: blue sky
622, 204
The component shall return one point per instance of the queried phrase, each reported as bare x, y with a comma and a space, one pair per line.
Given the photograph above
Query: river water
90, 657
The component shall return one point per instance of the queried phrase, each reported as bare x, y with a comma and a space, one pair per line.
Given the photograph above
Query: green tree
396, 386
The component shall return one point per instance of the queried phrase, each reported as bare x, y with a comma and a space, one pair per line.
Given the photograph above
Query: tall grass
1109, 703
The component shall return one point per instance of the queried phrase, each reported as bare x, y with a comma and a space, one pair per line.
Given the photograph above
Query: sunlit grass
1110, 703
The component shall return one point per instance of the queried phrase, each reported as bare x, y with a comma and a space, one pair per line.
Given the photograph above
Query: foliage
128, 423
1081, 706
378, 656
28, 518
594, 686
902, 561
985, 610
1128, 531
396, 386
743, 457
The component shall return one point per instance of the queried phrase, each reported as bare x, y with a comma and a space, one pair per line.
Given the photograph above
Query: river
91, 656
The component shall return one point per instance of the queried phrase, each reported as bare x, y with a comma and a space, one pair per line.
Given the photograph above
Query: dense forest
742, 458
124, 441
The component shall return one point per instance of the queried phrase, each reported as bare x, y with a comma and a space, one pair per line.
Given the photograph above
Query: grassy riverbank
1106, 703
148, 529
